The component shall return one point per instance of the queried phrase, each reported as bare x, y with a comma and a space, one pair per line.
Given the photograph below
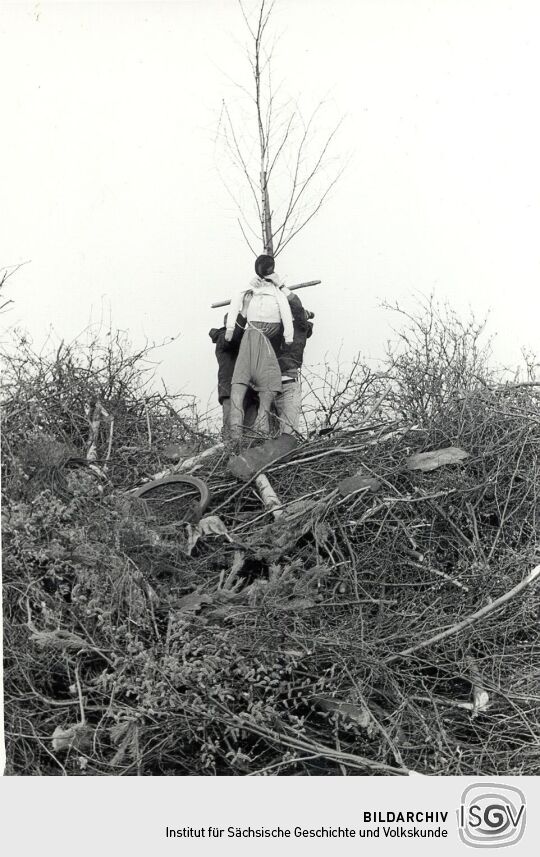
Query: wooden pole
291, 289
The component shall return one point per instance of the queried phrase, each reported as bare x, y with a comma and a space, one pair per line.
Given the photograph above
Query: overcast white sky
109, 183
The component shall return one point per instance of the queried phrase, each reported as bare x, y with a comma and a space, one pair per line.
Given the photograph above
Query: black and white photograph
269, 304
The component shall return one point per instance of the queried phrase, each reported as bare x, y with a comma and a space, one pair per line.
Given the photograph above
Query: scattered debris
427, 461
480, 695
249, 462
356, 713
358, 482
194, 601
167, 499
77, 737
59, 639
212, 525
178, 451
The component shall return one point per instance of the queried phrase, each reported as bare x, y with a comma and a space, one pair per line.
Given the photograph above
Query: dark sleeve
298, 313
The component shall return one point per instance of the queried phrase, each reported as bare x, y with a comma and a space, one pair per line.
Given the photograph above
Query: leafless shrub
438, 359
98, 396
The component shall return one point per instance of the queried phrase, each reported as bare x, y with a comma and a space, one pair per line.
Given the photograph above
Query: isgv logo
491, 815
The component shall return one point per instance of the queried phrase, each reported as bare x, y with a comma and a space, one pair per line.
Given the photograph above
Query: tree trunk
268, 244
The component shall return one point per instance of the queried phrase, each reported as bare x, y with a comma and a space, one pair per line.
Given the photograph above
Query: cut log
268, 496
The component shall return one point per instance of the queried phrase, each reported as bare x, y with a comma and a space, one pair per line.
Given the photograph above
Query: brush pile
385, 622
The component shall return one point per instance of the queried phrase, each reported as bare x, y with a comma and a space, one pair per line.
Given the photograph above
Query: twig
79, 693
437, 572
109, 445
311, 746
474, 617
148, 427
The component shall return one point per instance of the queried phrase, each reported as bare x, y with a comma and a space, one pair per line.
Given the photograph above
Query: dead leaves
78, 736
211, 525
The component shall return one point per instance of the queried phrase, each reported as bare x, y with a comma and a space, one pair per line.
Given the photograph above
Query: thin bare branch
246, 238
282, 244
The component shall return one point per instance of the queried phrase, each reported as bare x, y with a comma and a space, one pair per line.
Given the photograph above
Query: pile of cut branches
386, 621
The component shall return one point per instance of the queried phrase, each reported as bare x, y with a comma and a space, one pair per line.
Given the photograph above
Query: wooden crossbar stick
291, 289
